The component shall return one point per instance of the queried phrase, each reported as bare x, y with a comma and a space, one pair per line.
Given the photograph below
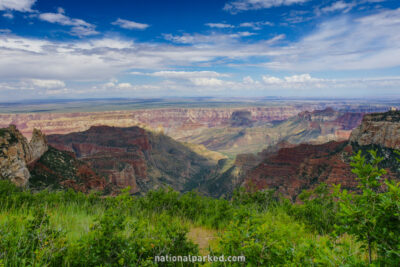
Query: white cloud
17, 5
242, 5
8, 15
369, 42
207, 81
183, 74
302, 78
271, 80
210, 38
299, 81
79, 27
339, 6
33, 84
219, 25
256, 25
130, 25
47, 84
124, 85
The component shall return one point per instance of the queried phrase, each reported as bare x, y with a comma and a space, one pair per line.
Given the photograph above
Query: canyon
246, 135
289, 169
213, 151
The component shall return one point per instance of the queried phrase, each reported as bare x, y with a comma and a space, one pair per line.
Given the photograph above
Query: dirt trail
202, 237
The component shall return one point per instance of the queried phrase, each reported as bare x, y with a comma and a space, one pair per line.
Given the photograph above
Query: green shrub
318, 210
274, 239
373, 216
32, 242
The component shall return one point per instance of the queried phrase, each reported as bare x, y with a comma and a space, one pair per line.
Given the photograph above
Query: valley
211, 150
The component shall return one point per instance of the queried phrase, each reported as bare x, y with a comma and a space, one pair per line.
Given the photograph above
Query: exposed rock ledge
379, 129
16, 154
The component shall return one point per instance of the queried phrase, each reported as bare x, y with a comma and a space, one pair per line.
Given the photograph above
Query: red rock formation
61, 168
292, 169
135, 157
115, 153
379, 129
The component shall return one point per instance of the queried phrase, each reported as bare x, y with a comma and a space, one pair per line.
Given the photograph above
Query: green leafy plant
373, 215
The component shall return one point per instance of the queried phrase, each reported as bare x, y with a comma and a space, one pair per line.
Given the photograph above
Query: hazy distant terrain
114, 104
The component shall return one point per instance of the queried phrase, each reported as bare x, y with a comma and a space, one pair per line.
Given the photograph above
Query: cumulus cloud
243, 5
271, 80
207, 81
79, 27
344, 43
17, 5
130, 25
295, 79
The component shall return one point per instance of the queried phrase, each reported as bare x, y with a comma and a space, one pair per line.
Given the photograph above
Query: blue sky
305, 48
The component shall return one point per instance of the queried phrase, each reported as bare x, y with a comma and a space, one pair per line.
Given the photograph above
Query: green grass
90, 230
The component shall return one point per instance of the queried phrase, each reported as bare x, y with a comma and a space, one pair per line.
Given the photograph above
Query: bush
274, 239
33, 242
318, 210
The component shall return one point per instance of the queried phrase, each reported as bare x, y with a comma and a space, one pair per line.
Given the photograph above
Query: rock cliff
16, 154
379, 129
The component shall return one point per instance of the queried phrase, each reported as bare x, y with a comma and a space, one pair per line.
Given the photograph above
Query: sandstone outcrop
38, 145
16, 154
379, 129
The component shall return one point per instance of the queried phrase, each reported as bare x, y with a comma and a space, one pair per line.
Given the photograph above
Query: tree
373, 215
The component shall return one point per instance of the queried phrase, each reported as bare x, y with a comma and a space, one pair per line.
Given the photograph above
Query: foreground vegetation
331, 227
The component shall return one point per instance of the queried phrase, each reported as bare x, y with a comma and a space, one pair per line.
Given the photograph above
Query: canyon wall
290, 168
379, 129
176, 122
